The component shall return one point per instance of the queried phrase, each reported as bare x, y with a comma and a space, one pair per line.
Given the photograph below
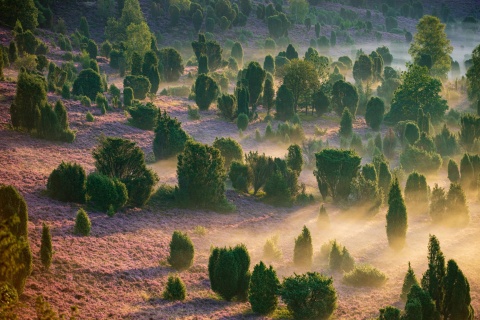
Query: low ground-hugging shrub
365, 276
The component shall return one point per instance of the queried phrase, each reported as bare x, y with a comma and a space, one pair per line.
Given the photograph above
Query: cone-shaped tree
396, 217
268, 95
284, 103
453, 173
409, 280
46, 250
255, 77
335, 257
206, 91
346, 123
457, 299
427, 309
438, 204
203, 64
262, 294
466, 171
181, 251
303, 251
433, 277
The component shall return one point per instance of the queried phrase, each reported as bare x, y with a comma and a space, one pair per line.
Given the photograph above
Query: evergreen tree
203, 64
303, 250
323, 221
84, 29
424, 305
181, 251
384, 178
374, 113
416, 189
46, 250
255, 77
453, 173
269, 64
438, 204
170, 138
237, 53
206, 91
12, 52
456, 301
23, 11
396, 217
346, 123
284, 103
243, 98
409, 280
457, 205
268, 95
262, 294
175, 289
412, 133
295, 158
335, 257
466, 171
433, 278
82, 223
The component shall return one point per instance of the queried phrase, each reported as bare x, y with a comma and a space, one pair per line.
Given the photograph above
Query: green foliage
344, 95
438, 204
389, 313
269, 64
432, 40
206, 91
237, 53
15, 254
473, 78
122, 159
396, 217
457, 294
446, 142
261, 167
46, 251
469, 130
457, 205
24, 11
295, 158
181, 251
172, 63
453, 173
255, 77
309, 296
211, 49
412, 133
262, 294
278, 25
302, 78
230, 150
242, 121
201, 176
175, 289
227, 104
408, 281
84, 29
228, 272
82, 223
363, 69
418, 90
170, 138
320, 102
284, 103
346, 123
420, 305
144, 116
434, 276
416, 189
365, 276
92, 49
303, 250
104, 192
240, 176
336, 168
374, 113
139, 84
88, 83
67, 183
271, 252
413, 158
127, 96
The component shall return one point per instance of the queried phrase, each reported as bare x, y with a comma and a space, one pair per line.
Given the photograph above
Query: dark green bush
240, 176
170, 138
144, 116
242, 121
88, 83
416, 190
181, 251
396, 217
175, 289
346, 123
365, 276
206, 91
284, 103
67, 183
374, 113
262, 294
408, 282
227, 104
127, 96
229, 149
139, 84
417, 159
103, 191
303, 250
309, 296
82, 223
46, 250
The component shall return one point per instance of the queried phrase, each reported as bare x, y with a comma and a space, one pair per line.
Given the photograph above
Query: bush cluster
365, 276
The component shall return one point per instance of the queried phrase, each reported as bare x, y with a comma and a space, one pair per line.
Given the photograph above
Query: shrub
201, 177
8, 298
206, 91
303, 250
284, 103
230, 150
453, 173
46, 250
139, 84
227, 104
170, 138
92, 49
88, 83
309, 296
240, 176
416, 189
412, 133
242, 121
181, 251
374, 113
14, 245
127, 96
175, 289
82, 223
271, 251
67, 183
228, 272
389, 313
262, 294
103, 191
409, 281
365, 276
144, 116
346, 125
417, 159
396, 217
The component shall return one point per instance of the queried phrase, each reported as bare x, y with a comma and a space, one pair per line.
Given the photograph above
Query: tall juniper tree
396, 217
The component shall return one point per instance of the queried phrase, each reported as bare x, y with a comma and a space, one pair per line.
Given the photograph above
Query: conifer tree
432, 278
335, 257
203, 64
453, 173
396, 217
346, 123
303, 251
457, 204
46, 250
466, 171
268, 95
456, 301
84, 28
262, 294
424, 305
409, 280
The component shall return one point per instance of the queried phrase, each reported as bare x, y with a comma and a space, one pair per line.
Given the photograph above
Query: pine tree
46, 250
409, 280
303, 250
396, 217
262, 294
453, 173
181, 251
456, 301
433, 278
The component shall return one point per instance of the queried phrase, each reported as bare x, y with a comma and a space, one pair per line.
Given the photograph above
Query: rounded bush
8, 295
206, 90
175, 289
229, 149
181, 251
262, 294
170, 138
374, 113
139, 84
88, 83
82, 223
68, 183
144, 116
104, 191
242, 121
365, 276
